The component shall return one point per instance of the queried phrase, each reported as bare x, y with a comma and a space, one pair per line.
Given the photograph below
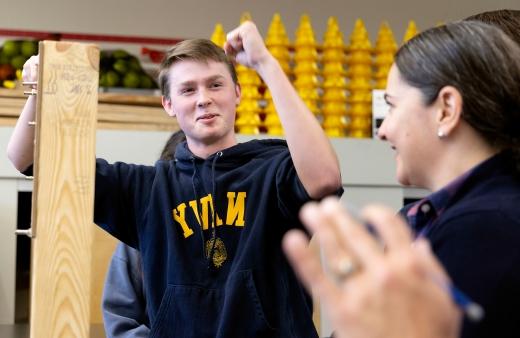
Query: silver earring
440, 133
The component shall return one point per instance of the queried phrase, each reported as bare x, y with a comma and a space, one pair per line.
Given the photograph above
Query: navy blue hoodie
228, 280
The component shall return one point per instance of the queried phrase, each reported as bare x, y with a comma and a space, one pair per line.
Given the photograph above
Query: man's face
203, 97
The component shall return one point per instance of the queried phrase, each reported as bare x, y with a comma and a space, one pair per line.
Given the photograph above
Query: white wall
196, 18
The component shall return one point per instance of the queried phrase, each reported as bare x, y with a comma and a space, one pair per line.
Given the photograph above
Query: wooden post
63, 202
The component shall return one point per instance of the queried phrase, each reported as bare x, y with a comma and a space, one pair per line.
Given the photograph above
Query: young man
209, 224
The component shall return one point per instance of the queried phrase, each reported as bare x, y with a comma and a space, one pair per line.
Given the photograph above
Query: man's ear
450, 109
167, 105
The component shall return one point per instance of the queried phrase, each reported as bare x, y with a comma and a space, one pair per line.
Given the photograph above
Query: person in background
369, 291
124, 299
453, 124
508, 20
209, 225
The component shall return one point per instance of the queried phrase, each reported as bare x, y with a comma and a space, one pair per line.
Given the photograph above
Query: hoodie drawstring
209, 256
193, 177
214, 215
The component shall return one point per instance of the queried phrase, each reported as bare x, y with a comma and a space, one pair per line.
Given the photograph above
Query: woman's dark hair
482, 63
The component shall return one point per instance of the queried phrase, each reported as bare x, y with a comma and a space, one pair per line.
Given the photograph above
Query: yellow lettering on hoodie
236, 208
179, 214
219, 220
207, 205
195, 207
234, 216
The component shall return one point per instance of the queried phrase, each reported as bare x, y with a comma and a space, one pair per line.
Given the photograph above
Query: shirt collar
424, 212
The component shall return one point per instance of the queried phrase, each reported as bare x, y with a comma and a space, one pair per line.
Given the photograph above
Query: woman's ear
449, 115
167, 105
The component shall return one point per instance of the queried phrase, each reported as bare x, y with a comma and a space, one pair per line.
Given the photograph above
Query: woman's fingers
308, 267
355, 238
392, 230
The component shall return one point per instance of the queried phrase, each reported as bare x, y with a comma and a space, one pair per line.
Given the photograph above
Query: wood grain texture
63, 190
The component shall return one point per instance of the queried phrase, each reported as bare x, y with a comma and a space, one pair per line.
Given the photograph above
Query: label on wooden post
63, 194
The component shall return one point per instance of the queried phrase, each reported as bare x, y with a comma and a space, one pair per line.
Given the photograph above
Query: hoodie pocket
248, 318
195, 312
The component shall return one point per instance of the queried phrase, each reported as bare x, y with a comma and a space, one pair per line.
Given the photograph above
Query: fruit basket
120, 69
13, 54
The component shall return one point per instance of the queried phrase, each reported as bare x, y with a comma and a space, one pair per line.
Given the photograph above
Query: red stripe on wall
39, 35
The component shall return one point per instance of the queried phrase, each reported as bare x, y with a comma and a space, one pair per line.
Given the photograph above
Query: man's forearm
311, 151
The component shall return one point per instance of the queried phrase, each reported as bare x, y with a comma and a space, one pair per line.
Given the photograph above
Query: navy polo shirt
473, 225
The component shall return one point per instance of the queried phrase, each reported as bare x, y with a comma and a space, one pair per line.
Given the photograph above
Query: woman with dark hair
454, 123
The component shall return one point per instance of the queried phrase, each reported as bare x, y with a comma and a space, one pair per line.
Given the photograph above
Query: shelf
115, 111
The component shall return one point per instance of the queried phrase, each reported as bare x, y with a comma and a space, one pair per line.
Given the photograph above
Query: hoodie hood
232, 156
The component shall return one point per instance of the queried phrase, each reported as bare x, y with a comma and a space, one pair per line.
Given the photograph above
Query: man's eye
216, 85
186, 90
